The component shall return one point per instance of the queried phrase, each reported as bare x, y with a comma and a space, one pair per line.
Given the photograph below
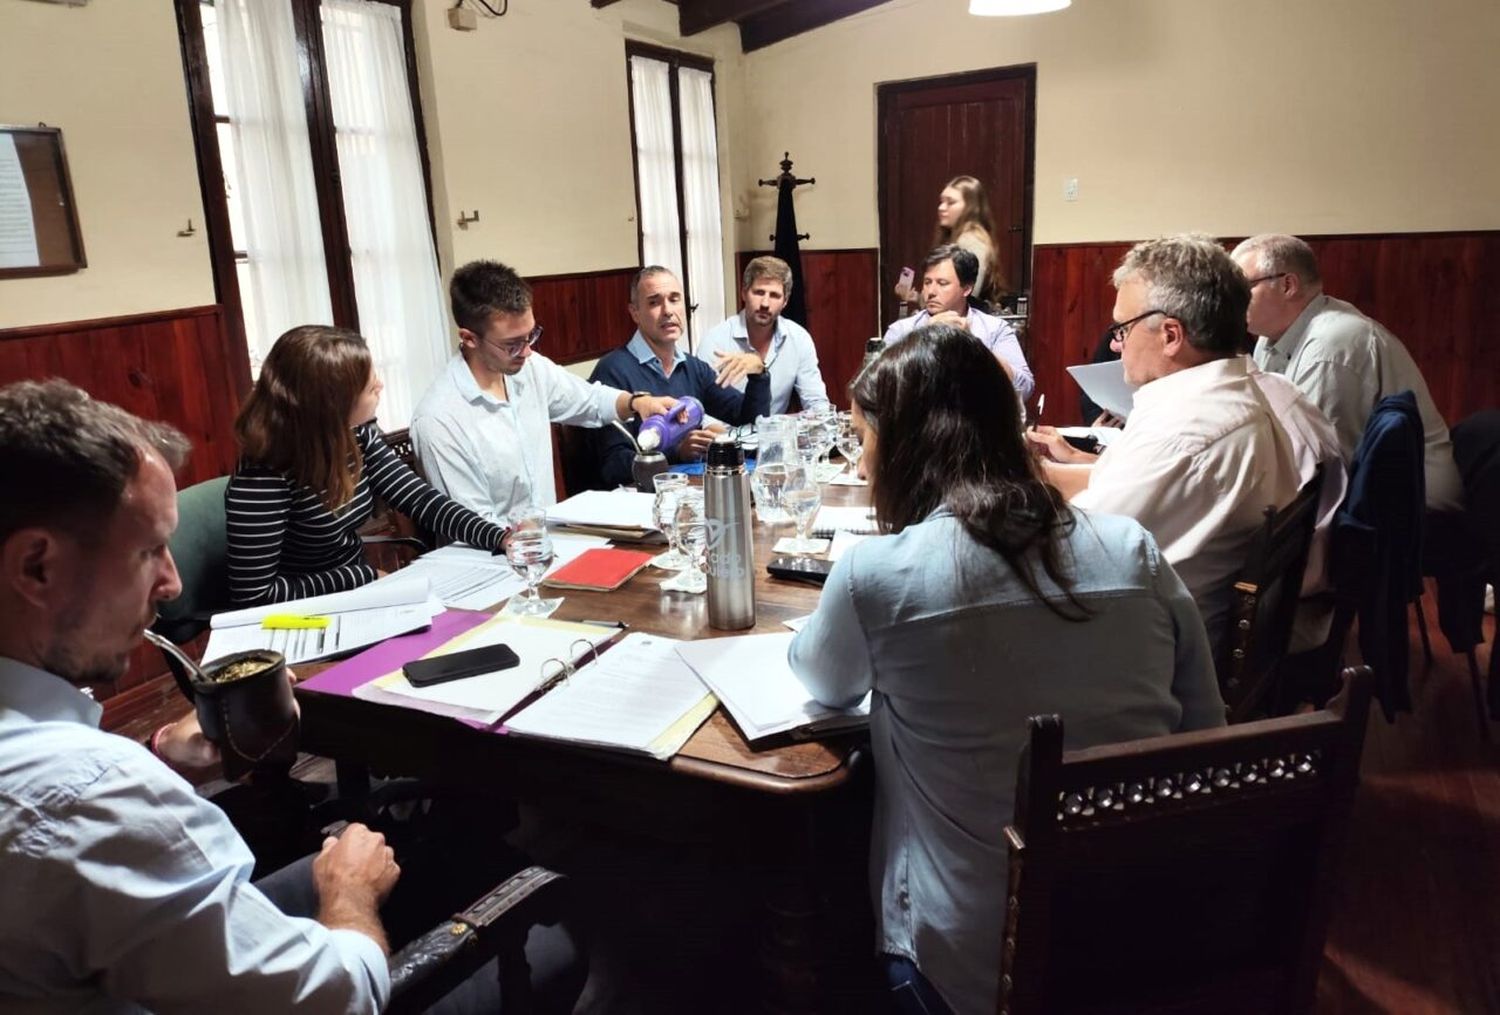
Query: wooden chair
1184, 874
573, 457
1265, 602
493, 927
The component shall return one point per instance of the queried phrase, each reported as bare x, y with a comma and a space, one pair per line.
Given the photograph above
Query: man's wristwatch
631, 404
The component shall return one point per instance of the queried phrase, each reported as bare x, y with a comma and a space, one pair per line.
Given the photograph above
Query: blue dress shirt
959, 653
634, 367
125, 891
996, 334
792, 360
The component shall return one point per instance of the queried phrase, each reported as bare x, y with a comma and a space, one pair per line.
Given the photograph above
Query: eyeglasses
516, 346
1117, 332
1266, 278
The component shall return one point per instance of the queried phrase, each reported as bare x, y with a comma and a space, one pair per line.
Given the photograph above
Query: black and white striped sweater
284, 544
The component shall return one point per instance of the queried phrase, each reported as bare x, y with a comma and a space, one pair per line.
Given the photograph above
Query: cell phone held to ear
459, 665
812, 570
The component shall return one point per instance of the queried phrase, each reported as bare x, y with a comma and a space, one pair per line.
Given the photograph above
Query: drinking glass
818, 427
664, 509
850, 441
802, 497
692, 535
778, 445
529, 551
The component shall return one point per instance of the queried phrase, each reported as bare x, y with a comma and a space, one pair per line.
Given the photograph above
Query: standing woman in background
312, 461
964, 218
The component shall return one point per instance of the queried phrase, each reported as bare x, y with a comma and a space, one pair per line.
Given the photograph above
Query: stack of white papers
466, 578
639, 697
361, 617
846, 519
611, 511
750, 675
488, 696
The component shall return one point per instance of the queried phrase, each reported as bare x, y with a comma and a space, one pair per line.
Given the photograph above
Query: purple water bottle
662, 432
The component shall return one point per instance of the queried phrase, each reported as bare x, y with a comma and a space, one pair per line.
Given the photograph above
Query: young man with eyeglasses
482, 432
1343, 361
1203, 455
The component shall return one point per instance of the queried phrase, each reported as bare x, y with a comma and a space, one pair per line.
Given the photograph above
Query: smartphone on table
459, 665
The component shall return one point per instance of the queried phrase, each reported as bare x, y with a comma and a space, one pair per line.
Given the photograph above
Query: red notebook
599, 569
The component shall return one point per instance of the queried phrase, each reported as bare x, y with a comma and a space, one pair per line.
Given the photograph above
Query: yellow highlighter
292, 622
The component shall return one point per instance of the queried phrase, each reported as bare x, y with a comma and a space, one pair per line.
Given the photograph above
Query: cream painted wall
528, 121
109, 75
1318, 117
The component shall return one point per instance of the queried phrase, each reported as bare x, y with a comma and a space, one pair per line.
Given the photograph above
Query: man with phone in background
948, 274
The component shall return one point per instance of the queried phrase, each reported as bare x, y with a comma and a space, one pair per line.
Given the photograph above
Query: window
323, 210
676, 148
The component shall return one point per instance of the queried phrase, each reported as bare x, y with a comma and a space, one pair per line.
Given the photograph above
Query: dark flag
786, 249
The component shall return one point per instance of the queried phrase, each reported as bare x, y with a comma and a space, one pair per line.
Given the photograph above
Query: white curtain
656, 163
396, 279
287, 280
700, 185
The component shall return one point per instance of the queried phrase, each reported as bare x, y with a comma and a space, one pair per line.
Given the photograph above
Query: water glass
692, 536
528, 548
802, 497
664, 511
850, 441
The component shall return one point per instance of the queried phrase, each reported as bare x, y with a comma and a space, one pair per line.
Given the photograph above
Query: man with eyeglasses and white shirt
1203, 455
1343, 361
482, 431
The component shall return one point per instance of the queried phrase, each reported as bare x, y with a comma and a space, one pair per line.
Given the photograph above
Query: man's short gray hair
649, 271
1279, 253
65, 459
1191, 278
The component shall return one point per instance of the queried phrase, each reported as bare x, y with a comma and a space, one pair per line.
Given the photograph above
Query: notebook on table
833, 518
616, 514
599, 569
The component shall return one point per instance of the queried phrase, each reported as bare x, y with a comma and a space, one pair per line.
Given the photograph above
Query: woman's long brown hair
949, 435
296, 419
977, 215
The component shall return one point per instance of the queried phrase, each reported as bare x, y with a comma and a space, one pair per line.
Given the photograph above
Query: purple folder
392, 654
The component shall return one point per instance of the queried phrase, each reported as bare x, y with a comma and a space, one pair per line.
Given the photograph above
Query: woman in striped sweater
312, 462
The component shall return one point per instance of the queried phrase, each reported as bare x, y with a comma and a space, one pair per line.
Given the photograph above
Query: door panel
931, 131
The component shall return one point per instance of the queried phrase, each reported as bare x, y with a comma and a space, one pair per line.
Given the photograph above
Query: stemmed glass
802, 497
692, 535
664, 510
819, 426
850, 441
528, 548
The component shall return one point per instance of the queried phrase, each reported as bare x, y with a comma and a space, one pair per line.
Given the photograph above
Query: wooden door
981, 124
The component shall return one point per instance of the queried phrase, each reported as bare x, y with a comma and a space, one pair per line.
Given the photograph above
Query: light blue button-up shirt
959, 653
994, 331
124, 891
792, 360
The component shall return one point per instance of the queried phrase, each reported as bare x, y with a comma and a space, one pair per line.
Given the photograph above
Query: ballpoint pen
1041, 403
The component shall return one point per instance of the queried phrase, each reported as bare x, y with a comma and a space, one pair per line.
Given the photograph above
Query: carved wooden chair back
1188, 873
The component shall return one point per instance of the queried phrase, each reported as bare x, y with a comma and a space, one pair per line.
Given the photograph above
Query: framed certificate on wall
39, 232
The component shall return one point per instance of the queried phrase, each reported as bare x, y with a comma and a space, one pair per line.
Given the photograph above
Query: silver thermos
731, 553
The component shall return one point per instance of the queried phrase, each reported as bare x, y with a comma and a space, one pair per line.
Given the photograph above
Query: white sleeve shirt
494, 455
125, 891
791, 363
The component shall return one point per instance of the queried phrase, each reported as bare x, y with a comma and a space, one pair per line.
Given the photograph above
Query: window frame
306, 16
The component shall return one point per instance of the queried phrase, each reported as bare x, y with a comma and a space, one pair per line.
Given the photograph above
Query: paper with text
17, 226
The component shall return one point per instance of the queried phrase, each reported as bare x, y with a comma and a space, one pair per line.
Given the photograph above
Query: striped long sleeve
283, 543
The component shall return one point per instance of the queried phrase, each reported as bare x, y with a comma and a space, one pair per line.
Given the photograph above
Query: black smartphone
800, 569
1087, 442
458, 665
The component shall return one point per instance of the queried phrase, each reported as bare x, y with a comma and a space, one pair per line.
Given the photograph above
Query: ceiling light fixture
1010, 8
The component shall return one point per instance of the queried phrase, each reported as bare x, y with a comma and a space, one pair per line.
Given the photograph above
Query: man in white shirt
1342, 360
124, 889
785, 346
948, 276
482, 432
1203, 455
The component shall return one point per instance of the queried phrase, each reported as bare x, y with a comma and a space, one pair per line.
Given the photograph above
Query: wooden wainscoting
583, 313
170, 366
1439, 292
842, 309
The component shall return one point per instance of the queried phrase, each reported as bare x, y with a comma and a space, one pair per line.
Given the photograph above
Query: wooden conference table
793, 816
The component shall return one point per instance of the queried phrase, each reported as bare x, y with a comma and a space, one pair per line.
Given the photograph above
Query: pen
619, 624
1041, 403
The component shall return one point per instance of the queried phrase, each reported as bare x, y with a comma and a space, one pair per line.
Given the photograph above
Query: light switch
1070, 189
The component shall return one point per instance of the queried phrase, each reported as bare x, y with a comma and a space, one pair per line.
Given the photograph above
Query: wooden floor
1416, 925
